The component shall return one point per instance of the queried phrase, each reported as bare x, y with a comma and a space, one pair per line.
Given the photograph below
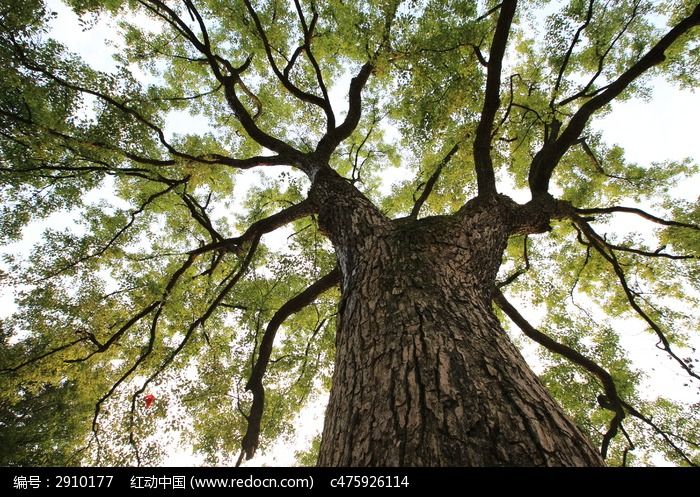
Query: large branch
252, 236
292, 156
204, 159
308, 34
615, 403
219, 67
249, 443
483, 162
286, 82
331, 140
254, 232
546, 160
638, 212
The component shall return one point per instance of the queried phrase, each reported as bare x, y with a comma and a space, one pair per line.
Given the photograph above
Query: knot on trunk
536, 215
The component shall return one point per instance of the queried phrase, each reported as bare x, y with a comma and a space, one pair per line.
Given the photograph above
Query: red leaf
149, 399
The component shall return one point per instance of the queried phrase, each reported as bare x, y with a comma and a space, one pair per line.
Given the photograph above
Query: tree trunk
424, 373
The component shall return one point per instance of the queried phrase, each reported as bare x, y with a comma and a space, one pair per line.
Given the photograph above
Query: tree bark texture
424, 373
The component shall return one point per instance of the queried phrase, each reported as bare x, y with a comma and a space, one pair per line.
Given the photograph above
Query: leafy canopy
154, 271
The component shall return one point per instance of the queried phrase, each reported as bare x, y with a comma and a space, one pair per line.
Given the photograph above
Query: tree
394, 301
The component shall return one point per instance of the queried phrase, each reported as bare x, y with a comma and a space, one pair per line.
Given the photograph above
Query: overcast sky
661, 129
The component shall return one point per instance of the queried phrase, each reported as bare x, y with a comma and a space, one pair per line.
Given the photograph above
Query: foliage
155, 272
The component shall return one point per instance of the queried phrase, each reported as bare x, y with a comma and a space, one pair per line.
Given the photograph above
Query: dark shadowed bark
424, 373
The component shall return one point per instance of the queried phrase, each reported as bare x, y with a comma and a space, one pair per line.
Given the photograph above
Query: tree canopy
191, 266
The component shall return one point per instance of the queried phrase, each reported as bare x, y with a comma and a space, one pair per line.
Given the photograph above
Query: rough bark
424, 373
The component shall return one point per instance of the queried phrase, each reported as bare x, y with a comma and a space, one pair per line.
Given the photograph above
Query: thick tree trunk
424, 373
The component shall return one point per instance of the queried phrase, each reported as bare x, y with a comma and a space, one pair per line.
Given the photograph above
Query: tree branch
100, 95
479, 56
55, 350
509, 107
102, 347
567, 56
546, 160
249, 443
200, 215
519, 272
171, 17
354, 153
483, 162
489, 12
115, 237
615, 403
638, 212
647, 420
599, 245
657, 253
200, 321
646, 253
290, 154
308, 35
331, 140
430, 184
597, 165
259, 228
205, 159
601, 61
293, 89
158, 307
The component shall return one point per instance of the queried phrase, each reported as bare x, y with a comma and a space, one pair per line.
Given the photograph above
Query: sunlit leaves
133, 250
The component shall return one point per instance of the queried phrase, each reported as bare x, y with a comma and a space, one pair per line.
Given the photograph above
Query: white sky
664, 128
661, 129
